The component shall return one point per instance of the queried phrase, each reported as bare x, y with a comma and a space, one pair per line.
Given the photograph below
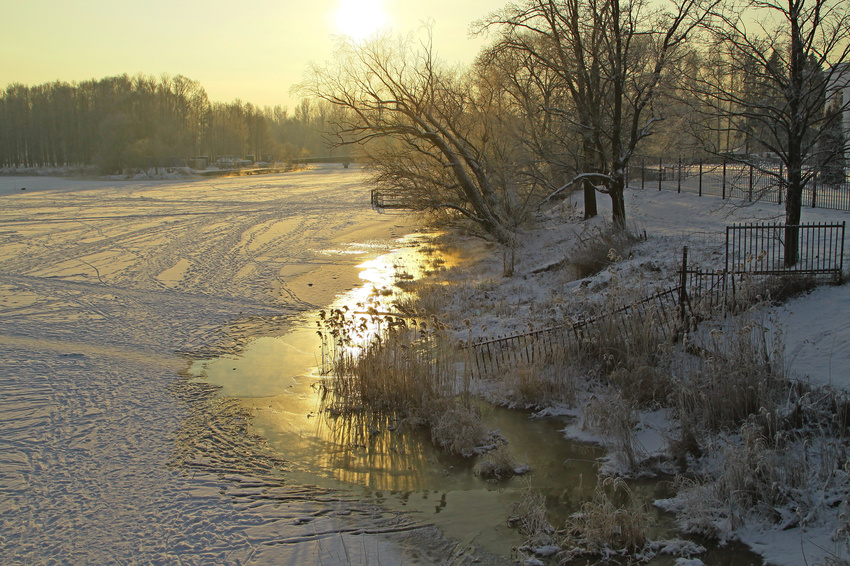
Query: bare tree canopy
611, 58
441, 139
773, 80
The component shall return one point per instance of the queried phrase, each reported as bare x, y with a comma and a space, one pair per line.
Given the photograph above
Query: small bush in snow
610, 523
598, 248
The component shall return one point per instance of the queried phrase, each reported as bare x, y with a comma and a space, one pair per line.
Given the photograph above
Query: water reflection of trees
378, 450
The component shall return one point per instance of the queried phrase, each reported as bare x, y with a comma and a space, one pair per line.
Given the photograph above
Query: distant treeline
123, 123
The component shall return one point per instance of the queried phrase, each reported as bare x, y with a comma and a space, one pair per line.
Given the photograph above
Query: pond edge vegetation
746, 441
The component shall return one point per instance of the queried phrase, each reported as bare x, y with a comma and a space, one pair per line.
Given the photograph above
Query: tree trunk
618, 202
796, 154
589, 200
793, 206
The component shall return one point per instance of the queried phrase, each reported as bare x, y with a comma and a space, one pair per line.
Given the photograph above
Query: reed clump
610, 523
403, 366
530, 517
498, 464
737, 372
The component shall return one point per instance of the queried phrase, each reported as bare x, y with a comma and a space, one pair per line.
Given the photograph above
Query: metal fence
729, 179
760, 249
662, 310
382, 199
754, 254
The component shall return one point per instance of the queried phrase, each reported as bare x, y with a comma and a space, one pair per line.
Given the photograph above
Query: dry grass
598, 248
404, 368
540, 384
529, 515
611, 522
614, 418
786, 468
738, 373
632, 349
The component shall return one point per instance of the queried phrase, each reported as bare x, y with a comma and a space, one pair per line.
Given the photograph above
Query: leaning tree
433, 136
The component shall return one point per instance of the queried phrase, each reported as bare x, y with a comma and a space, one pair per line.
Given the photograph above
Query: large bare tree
790, 60
438, 138
611, 56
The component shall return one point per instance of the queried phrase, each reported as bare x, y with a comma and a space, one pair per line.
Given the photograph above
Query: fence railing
760, 249
662, 309
391, 199
754, 253
731, 179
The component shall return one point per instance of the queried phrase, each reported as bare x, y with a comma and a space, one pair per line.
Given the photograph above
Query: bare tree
430, 133
542, 104
791, 58
611, 57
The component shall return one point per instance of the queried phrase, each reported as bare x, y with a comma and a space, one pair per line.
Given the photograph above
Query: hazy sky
254, 51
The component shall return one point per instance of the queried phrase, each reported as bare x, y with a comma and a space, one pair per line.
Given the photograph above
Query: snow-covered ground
815, 326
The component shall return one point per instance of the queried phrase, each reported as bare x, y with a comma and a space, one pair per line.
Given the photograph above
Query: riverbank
549, 290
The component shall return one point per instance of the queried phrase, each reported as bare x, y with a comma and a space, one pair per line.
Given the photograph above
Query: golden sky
254, 51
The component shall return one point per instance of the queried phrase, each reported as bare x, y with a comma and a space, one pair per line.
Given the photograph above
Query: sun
359, 19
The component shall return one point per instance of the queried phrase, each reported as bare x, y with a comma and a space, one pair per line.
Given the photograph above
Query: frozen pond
107, 291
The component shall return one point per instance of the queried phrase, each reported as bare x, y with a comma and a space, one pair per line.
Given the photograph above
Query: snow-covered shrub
599, 247
458, 429
767, 473
610, 523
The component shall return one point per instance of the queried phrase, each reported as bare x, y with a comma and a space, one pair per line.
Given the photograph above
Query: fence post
642, 172
679, 178
723, 182
781, 180
814, 190
750, 191
660, 171
683, 294
700, 177
841, 255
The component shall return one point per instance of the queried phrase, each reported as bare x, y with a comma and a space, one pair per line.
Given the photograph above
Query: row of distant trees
569, 92
127, 123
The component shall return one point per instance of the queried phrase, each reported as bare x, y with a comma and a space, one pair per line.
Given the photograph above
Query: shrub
598, 248
611, 522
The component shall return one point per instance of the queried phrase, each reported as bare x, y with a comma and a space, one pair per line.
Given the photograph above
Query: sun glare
360, 18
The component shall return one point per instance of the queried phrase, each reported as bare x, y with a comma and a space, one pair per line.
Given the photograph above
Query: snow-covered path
107, 289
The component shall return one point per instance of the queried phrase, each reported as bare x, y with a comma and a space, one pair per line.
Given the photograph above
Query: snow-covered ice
108, 290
